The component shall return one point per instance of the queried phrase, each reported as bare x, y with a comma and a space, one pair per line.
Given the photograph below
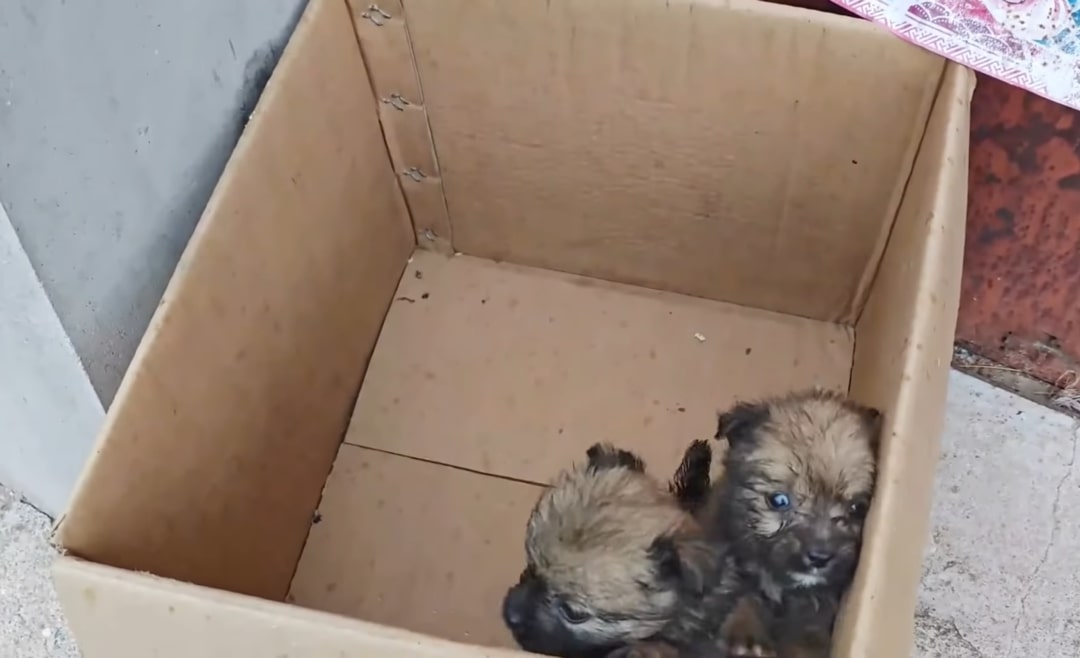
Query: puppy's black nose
817, 557
514, 607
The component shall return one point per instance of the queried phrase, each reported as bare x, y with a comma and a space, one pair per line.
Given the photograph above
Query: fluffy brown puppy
613, 560
798, 479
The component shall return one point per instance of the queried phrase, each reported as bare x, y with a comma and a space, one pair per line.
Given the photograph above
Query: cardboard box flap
515, 371
218, 443
630, 140
120, 614
902, 358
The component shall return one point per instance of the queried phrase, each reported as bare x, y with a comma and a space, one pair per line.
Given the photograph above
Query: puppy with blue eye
798, 479
618, 566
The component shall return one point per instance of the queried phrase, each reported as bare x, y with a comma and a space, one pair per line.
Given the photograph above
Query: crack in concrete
945, 629
964, 640
1054, 529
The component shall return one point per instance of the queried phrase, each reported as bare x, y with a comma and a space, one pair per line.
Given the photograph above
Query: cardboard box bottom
487, 379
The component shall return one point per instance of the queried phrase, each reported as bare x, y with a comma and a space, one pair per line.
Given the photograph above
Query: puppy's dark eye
572, 614
858, 509
779, 500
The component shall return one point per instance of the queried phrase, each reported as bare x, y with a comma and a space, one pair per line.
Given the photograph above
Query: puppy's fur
613, 559
692, 479
798, 479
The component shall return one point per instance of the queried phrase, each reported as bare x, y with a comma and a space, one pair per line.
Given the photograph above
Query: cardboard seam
419, 232
382, 128
456, 467
854, 349
873, 266
427, 121
307, 536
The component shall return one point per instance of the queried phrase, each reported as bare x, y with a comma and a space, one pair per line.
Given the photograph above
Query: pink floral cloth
1032, 44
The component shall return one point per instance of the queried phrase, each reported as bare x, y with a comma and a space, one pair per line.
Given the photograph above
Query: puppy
615, 565
798, 479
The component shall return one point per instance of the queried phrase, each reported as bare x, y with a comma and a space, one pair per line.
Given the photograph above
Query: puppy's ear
685, 561
603, 456
738, 423
874, 420
690, 486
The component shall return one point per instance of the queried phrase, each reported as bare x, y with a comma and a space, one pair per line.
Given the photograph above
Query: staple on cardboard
415, 173
376, 15
397, 101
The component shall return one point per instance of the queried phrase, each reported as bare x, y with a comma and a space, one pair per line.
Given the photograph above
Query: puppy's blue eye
779, 501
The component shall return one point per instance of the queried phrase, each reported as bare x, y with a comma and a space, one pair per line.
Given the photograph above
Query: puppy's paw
743, 633
810, 643
748, 645
749, 649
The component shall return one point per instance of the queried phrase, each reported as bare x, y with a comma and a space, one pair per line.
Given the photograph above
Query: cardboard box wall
789, 185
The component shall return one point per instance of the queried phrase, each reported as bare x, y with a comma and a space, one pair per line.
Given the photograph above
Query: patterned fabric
1033, 44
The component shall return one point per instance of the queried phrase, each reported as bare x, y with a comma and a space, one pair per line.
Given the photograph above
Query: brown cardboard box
659, 207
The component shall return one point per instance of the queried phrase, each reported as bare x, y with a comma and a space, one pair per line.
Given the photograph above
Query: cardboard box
659, 207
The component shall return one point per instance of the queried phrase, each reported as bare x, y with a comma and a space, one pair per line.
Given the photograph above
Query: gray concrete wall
49, 413
116, 119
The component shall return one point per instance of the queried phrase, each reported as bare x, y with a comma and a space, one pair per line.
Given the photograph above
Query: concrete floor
1001, 577
31, 624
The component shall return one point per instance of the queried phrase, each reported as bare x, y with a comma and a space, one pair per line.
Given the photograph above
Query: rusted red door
1022, 257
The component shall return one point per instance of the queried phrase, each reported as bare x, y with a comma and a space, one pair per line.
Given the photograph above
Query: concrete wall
116, 119
48, 410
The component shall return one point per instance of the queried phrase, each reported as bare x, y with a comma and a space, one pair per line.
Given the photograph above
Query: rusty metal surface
1021, 286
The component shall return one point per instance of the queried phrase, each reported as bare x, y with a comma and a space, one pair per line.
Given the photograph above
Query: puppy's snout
515, 607
818, 557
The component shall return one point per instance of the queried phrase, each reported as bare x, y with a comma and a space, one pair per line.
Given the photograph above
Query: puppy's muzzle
515, 608
818, 557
